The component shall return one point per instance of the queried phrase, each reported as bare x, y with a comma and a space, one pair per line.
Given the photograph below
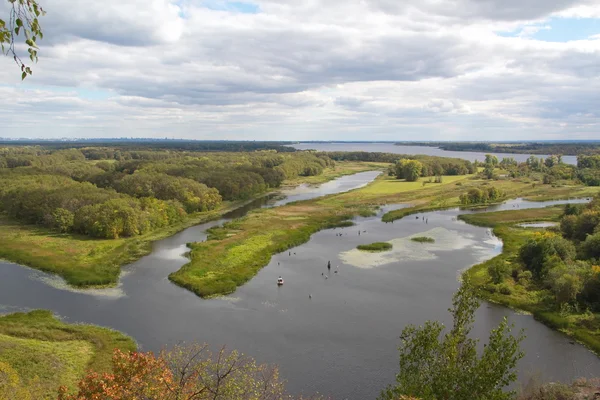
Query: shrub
490, 287
505, 289
498, 271
524, 277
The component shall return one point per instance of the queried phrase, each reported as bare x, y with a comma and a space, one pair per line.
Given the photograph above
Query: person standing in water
329, 265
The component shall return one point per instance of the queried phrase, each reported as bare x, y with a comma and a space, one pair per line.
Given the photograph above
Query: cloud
374, 69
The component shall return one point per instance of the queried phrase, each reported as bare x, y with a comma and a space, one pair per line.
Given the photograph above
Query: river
342, 341
426, 150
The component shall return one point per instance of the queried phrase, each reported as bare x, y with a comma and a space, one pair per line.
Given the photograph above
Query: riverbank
238, 250
92, 263
527, 296
46, 353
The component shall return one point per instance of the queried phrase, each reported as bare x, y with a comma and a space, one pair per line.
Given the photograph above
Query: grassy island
375, 247
423, 239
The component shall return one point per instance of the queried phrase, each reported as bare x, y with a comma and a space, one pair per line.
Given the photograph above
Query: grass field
492, 219
390, 185
47, 352
584, 327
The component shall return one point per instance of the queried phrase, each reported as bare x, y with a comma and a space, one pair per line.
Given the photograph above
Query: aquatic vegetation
423, 239
377, 246
404, 249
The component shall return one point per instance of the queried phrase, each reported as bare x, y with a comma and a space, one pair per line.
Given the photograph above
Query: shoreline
107, 267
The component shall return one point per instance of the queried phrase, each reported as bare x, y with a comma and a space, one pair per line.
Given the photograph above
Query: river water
426, 150
342, 341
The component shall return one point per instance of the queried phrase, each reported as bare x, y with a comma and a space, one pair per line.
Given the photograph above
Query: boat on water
279, 281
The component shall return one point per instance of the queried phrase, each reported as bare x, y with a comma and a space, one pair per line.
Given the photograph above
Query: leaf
23, 75
19, 22
17, 29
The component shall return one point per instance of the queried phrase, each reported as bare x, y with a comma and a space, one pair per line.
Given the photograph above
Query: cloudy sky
310, 70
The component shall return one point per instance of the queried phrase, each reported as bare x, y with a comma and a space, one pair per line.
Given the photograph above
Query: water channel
342, 341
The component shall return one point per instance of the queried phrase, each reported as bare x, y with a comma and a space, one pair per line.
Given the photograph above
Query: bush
498, 271
538, 254
490, 287
524, 277
505, 289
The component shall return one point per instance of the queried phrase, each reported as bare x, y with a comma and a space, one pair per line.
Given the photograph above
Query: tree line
111, 193
549, 170
564, 262
566, 148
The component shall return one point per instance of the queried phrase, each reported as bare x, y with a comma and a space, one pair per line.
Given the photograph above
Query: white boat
279, 281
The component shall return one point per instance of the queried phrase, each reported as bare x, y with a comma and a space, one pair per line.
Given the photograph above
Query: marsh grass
375, 247
423, 239
80, 260
37, 345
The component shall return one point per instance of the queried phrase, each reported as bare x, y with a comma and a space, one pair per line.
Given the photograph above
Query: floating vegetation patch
405, 249
374, 247
59, 283
423, 239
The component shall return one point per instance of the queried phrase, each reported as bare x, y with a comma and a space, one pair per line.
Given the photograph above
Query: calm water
538, 224
341, 342
430, 151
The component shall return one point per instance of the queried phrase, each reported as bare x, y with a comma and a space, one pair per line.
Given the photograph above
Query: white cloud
366, 69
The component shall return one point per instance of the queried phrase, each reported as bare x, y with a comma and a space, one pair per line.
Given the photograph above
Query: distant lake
413, 150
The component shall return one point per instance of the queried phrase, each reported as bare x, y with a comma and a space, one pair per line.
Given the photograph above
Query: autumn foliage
183, 373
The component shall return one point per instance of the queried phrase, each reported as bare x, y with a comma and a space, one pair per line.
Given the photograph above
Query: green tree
409, 169
488, 171
436, 367
541, 255
568, 225
591, 246
491, 160
23, 17
412, 170
498, 271
62, 219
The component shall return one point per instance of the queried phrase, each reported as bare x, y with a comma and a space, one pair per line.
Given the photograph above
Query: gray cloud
336, 68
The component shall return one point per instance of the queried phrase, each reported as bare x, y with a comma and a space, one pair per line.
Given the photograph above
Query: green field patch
40, 347
54, 363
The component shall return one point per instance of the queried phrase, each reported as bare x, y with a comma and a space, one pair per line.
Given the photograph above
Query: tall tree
436, 367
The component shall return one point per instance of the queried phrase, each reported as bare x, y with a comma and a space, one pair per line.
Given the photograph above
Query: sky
310, 70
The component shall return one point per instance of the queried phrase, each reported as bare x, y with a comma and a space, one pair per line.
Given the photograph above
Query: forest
153, 144
109, 192
565, 148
